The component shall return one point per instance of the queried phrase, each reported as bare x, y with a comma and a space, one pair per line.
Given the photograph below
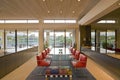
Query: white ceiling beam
102, 8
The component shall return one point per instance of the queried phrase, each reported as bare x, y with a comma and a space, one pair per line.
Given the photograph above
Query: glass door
93, 42
10, 41
111, 41
103, 42
59, 42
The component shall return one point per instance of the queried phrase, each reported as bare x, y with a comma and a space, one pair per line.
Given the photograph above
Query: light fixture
73, 12
48, 21
19, 21
119, 4
61, 11
59, 21
15, 21
48, 11
70, 21
61, 0
107, 21
32, 21
78, 0
2, 21
44, 0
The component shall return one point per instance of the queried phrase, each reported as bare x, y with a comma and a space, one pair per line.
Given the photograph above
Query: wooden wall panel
10, 62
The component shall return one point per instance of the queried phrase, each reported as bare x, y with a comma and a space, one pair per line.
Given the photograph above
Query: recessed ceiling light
61, 0
61, 11
48, 11
78, 0
43, 0
73, 11
119, 4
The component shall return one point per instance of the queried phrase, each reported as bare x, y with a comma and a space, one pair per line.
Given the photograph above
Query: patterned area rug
80, 74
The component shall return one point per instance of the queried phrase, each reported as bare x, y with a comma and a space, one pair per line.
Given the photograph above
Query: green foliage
104, 45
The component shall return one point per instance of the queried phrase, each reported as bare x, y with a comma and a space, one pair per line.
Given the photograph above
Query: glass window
21, 40
93, 40
69, 38
57, 40
32, 38
110, 41
1, 42
103, 42
10, 41
49, 38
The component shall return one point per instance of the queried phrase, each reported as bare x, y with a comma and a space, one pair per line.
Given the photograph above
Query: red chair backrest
44, 54
73, 51
40, 57
82, 57
48, 50
71, 48
77, 53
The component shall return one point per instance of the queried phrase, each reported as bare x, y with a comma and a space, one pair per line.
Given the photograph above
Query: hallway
23, 71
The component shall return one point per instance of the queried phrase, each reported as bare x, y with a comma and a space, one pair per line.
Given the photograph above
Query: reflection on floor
58, 50
109, 52
114, 55
23, 71
97, 71
108, 64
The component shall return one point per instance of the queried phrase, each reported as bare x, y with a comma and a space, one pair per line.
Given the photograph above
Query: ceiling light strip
33, 21
2, 21
15, 21
49, 21
107, 21
59, 21
19, 21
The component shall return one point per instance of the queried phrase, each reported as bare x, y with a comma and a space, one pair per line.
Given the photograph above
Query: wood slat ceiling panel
38, 9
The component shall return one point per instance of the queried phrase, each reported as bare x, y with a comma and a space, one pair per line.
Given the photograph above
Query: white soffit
100, 9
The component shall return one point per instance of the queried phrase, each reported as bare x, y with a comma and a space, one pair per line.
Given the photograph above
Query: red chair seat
76, 56
81, 62
43, 63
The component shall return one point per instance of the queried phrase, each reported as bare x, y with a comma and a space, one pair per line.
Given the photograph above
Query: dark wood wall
10, 62
85, 35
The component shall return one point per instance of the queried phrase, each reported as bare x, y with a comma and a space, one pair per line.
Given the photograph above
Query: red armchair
48, 50
73, 51
42, 62
76, 56
81, 63
45, 55
71, 48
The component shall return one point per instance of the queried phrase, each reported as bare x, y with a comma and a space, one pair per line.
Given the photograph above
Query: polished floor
114, 55
23, 71
109, 64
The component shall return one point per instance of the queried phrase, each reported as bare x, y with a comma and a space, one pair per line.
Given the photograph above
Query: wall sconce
84, 39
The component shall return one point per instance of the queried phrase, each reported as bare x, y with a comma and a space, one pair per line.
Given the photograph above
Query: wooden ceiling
114, 15
48, 9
